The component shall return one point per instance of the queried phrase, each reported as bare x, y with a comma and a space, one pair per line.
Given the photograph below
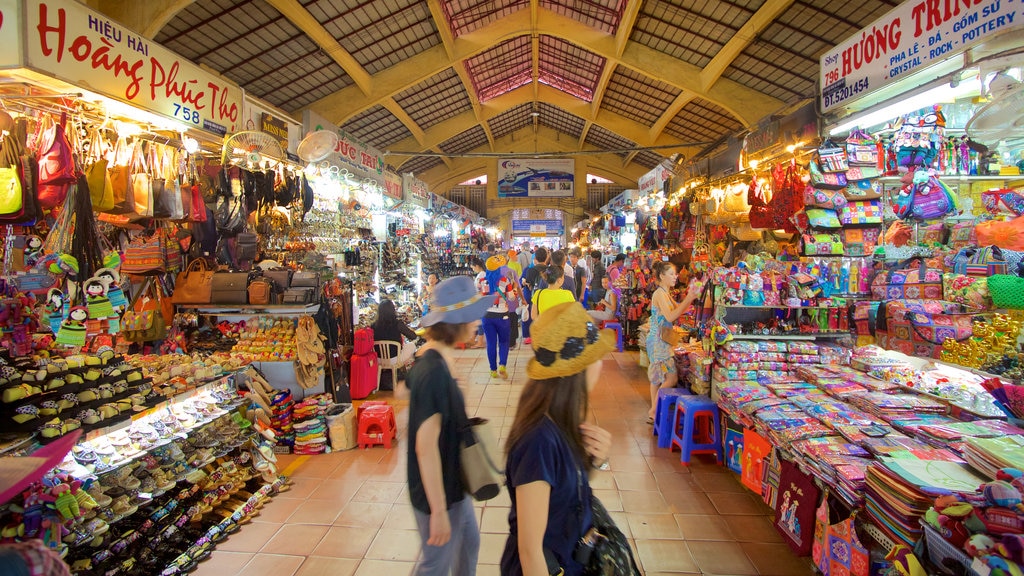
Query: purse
828, 199
823, 218
980, 262
832, 157
144, 321
229, 288
121, 179
827, 180
1007, 291
194, 284
861, 212
146, 254
260, 291
823, 245
920, 328
305, 280
56, 166
919, 282
282, 278
670, 336
96, 174
480, 476
142, 185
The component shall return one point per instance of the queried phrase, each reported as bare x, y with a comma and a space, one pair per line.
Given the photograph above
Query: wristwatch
603, 465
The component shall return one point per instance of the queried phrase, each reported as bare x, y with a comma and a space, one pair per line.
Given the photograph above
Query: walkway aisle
349, 513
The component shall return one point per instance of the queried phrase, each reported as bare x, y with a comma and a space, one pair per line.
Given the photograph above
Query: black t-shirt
393, 332
432, 390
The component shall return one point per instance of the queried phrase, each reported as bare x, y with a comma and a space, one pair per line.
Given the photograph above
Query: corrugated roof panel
557, 119
419, 164
606, 140
568, 67
636, 96
511, 120
435, 100
648, 158
701, 121
603, 15
378, 34
501, 69
377, 126
468, 140
465, 16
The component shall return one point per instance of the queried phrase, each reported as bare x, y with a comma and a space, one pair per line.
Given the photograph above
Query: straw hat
496, 261
566, 341
455, 300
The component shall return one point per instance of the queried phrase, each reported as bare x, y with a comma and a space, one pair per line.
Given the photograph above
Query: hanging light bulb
190, 144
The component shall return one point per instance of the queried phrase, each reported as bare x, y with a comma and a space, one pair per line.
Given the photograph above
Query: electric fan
317, 145
248, 149
1003, 117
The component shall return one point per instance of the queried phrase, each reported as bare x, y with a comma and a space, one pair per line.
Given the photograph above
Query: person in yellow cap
551, 448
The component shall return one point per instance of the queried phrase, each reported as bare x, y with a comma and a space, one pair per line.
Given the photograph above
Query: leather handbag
297, 296
260, 291
670, 335
194, 284
282, 278
305, 280
246, 246
229, 288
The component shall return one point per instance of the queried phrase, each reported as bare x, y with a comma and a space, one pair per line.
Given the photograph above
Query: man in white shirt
525, 257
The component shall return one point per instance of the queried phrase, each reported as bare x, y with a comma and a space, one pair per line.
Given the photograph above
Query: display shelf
790, 336
250, 309
1017, 178
782, 307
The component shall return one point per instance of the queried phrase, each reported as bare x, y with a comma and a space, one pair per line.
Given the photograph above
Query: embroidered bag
823, 218
832, 157
980, 262
963, 235
826, 180
146, 254
787, 199
1008, 235
921, 333
755, 450
144, 320
932, 234
862, 190
794, 515
971, 292
829, 199
861, 212
1003, 201
860, 241
822, 245
912, 281
836, 550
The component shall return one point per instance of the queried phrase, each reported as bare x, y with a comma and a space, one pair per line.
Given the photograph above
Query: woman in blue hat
444, 514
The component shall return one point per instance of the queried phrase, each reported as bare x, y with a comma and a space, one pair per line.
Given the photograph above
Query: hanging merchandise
101, 188
925, 198
826, 180
146, 253
861, 151
19, 203
832, 157
56, 163
786, 200
861, 212
1008, 235
828, 199
144, 320
121, 178
141, 183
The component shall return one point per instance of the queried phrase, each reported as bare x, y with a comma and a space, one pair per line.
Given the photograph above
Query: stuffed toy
979, 545
1001, 493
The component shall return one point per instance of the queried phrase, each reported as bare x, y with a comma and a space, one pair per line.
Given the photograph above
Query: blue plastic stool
685, 432
663, 412
614, 325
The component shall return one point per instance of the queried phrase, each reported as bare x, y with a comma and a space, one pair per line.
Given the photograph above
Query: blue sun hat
455, 301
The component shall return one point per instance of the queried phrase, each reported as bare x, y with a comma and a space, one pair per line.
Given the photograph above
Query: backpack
925, 199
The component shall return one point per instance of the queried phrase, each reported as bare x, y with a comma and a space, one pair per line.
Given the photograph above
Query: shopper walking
551, 448
553, 295
597, 274
501, 288
444, 514
664, 312
559, 259
532, 281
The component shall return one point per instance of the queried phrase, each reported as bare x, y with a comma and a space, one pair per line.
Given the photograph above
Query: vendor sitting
608, 308
390, 327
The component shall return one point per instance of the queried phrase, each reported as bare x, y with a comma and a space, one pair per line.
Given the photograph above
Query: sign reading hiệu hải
911, 37
72, 43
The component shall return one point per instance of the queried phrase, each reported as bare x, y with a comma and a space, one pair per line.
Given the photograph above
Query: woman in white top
608, 307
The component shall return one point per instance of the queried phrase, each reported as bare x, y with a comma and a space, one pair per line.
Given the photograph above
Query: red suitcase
363, 375
363, 342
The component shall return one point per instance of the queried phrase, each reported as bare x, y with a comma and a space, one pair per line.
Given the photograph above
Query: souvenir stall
908, 450
620, 228
453, 238
110, 201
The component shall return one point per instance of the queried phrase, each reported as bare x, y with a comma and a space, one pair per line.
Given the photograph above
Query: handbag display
18, 172
787, 199
1008, 235
56, 166
260, 291
141, 184
914, 282
980, 262
823, 245
823, 218
194, 284
96, 174
836, 550
919, 328
861, 212
282, 278
832, 157
297, 296
827, 180
146, 254
305, 280
229, 288
144, 320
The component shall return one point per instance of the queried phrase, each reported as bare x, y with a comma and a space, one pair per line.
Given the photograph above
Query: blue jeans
460, 553
496, 330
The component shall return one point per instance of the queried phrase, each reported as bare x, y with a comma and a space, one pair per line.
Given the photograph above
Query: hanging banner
72, 43
538, 228
351, 154
910, 38
416, 191
10, 20
522, 178
392, 185
654, 181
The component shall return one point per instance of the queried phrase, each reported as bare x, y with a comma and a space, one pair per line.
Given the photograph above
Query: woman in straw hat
444, 515
551, 449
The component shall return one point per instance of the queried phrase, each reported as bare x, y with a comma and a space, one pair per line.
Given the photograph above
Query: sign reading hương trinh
911, 37
72, 43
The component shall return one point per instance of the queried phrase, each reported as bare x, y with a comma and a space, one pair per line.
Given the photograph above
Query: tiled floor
348, 513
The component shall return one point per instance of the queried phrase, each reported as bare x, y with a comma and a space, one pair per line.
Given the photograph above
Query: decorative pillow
860, 241
967, 290
932, 234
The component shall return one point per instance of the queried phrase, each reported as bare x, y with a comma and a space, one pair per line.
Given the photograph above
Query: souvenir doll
33, 250
96, 299
56, 309
72, 329
116, 295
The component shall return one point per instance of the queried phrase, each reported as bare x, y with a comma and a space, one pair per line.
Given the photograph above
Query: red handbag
787, 200
56, 166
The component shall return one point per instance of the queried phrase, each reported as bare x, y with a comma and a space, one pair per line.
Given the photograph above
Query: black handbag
230, 288
282, 278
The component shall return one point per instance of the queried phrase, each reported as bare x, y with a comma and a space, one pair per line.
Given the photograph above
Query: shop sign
352, 154
536, 178
276, 127
392, 185
416, 191
654, 181
537, 228
10, 19
70, 42
911, 37
626, 197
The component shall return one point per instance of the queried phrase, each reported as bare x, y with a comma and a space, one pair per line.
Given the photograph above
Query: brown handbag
194, 284
671, 336
260, 291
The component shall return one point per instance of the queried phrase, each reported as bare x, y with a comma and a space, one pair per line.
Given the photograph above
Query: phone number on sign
834, 96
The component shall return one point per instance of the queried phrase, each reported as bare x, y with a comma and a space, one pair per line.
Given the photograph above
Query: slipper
650, 420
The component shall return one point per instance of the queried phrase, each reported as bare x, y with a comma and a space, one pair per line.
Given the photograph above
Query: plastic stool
376, 425
663, 412
696, 427
614, 325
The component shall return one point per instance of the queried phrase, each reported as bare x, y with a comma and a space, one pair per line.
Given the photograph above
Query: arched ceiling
458, 76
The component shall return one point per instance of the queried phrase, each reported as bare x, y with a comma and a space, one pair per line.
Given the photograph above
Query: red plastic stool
376, 424
614, 325
696, 428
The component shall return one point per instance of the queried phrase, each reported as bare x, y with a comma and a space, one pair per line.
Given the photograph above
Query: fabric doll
114, 292
72, 329
33, 250
56, 309
96, 299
